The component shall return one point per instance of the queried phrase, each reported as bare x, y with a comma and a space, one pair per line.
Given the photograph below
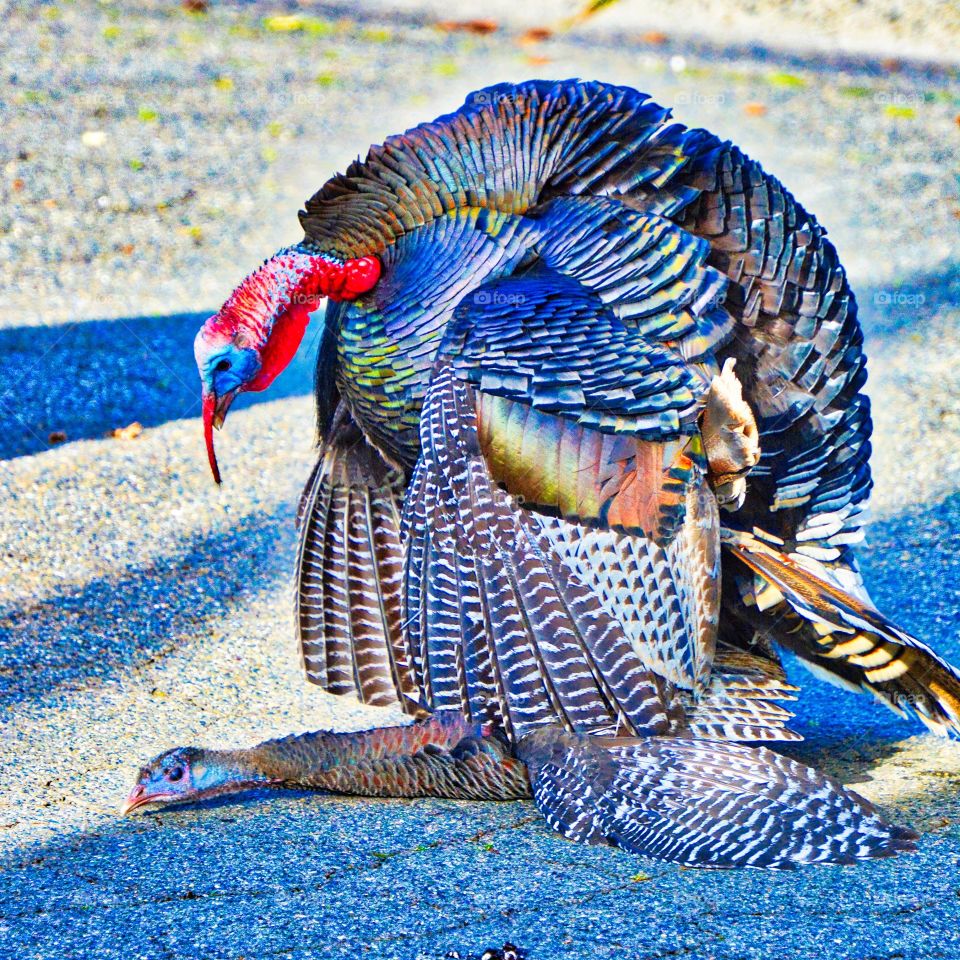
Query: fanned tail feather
800, 603
702, 803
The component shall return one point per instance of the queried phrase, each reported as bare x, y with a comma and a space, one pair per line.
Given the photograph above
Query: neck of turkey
445, 757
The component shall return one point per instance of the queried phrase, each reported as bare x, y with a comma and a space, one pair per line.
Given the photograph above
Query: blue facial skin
230, 368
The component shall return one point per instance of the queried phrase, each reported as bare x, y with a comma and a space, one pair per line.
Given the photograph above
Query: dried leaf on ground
129, 432
534, 35
481, 27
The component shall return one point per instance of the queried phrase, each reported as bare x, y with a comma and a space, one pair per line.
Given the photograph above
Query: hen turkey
561, 332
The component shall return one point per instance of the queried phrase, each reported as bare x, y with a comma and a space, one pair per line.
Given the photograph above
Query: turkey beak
222, 406
138, 797
214, 413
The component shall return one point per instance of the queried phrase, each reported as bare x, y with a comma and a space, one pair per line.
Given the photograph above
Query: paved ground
150, 159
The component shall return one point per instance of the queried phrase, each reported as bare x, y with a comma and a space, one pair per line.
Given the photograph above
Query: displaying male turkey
543, 309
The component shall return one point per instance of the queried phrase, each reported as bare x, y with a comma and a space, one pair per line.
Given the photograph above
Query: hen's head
185, 774
175, 776
254, 335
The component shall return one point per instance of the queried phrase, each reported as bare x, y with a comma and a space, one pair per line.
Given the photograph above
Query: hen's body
528, 425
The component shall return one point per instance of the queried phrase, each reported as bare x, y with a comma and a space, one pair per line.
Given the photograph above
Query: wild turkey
544, 308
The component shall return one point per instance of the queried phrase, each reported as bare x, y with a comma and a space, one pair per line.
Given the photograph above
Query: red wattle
285, 339
301, 281
359, 276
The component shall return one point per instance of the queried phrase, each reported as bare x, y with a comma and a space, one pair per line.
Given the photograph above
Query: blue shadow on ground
87, 378
306, 876
145, 612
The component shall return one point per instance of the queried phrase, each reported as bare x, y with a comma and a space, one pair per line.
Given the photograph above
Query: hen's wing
702, 804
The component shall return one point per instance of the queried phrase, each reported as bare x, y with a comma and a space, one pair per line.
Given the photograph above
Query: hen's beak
214, 413
138, 797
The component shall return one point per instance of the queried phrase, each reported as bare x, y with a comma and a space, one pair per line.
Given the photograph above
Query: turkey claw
730, 438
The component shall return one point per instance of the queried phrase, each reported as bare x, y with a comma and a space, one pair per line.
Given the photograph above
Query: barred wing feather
701, 803
350, 573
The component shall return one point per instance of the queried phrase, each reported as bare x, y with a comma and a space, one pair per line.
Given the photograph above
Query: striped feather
664, 596
552, 656
804, 606
740, 703
505, 149
544, 339
599, 480
350, 574
702, 803
651, 275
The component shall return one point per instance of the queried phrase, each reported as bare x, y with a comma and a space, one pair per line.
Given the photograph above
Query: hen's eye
175, 774
222, 365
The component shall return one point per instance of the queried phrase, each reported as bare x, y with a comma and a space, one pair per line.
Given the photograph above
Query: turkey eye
175, 774
222, 365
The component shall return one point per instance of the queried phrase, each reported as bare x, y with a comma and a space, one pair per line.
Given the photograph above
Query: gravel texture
150, 158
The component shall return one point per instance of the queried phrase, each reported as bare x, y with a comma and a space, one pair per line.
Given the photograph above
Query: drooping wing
498, 627
350, 573
502, 620
668, 309
702, 803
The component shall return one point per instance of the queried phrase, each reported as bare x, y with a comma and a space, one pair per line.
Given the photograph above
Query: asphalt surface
141, 608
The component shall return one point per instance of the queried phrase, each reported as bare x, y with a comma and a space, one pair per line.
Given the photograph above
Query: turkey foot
729, 438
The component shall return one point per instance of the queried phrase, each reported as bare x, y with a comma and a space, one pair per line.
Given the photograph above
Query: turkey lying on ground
561, 331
